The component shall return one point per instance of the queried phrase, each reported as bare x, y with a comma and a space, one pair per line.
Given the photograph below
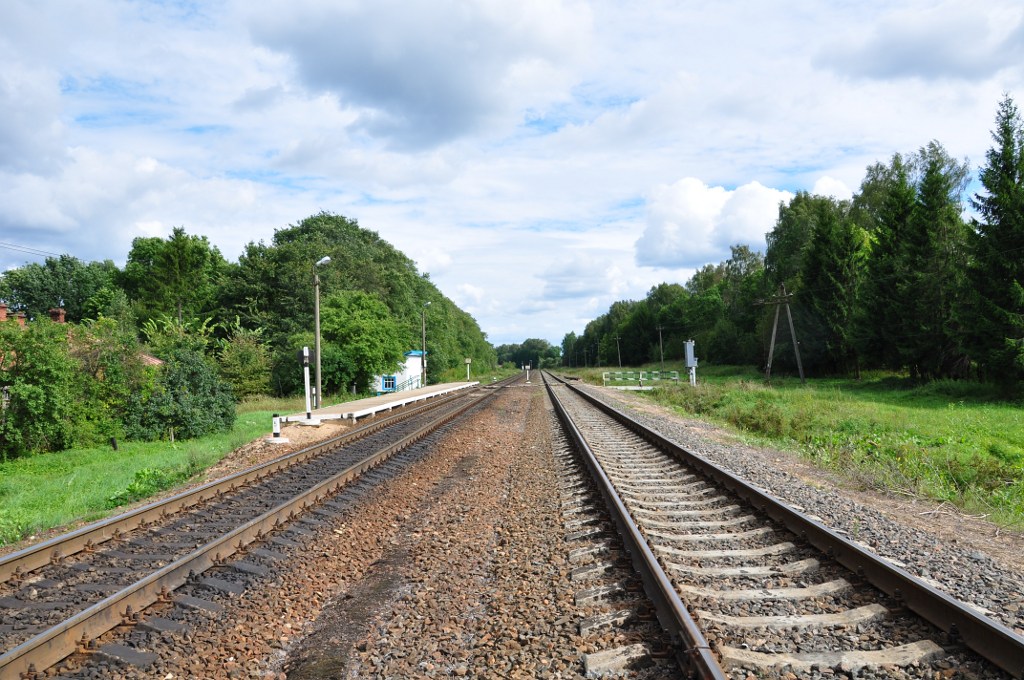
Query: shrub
188, 401
40, 378
245, 363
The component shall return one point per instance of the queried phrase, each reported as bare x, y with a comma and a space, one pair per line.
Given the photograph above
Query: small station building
406, 376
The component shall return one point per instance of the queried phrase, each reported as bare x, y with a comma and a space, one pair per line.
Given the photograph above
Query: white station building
406, 377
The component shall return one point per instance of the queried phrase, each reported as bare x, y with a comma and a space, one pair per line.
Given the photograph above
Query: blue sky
539, 158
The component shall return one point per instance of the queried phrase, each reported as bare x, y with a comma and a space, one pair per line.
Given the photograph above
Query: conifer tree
995, 317
881, 323
831, 275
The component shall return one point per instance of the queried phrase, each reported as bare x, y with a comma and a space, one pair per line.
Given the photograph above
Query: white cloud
578, 276
31, 134
952, 40
423, 73
690, 224
830, 186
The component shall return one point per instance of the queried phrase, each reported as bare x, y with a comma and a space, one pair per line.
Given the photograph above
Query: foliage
174, 277
832, 269
879, 321
166, 334
244, 362
188, 400
994, 311
933, 255
534, 351
111, 371
177, 293
362, 327
40, 380
715, 308
148, 482
63, 281
111, 302
271, 278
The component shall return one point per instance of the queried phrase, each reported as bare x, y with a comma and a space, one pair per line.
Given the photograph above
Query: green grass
951, 441
56, 489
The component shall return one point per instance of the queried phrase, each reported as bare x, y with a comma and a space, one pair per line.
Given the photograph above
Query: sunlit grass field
952, 441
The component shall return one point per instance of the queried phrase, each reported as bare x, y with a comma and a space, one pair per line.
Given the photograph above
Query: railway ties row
614, 615
767, 602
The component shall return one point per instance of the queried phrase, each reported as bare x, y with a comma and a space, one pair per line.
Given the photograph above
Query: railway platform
371, 406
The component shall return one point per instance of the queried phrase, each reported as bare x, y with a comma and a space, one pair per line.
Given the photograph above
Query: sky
540, 159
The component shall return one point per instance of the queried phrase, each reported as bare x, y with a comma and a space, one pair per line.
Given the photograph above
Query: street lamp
316, 324
423, 356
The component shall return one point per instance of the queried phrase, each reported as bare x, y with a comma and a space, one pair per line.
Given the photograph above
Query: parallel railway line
666, 556
59, 595
767, 589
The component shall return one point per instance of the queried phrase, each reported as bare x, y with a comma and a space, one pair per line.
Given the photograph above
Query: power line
27, 249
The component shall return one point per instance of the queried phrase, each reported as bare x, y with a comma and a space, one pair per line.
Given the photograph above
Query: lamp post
316, 324
423, 356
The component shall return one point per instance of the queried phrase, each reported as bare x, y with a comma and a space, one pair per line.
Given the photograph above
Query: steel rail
693, 651
17, 564
60, 641
988, 638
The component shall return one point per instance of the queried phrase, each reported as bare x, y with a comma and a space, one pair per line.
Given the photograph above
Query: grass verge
951, 441
56, 489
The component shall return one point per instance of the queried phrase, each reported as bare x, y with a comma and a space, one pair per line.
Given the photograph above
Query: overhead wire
28, 249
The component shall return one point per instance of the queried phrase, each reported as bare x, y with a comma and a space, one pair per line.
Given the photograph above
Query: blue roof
414, 353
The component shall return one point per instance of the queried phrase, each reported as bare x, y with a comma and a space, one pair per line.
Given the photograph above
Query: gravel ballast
948, 556
456, 566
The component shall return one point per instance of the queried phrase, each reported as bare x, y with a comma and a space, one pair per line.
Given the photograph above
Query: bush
40, 377
245, 363
188, 401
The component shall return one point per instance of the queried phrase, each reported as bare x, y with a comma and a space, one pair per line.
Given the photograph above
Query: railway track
744, 584
57, 597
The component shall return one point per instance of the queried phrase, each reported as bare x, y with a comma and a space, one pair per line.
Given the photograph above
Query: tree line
223, 331
895, 278
535, 352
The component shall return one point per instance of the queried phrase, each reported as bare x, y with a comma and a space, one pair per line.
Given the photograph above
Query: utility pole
618, 351
661, 346
782, 299
423, 355
318, 397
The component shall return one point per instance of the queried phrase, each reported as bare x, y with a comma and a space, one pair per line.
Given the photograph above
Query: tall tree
177, 276
362, 327
883, 208
933, 256
831, 276
569, 349
995, 317
790, 238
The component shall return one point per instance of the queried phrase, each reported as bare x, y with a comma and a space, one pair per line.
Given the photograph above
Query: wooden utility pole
782, 299
661, 346
618, 351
